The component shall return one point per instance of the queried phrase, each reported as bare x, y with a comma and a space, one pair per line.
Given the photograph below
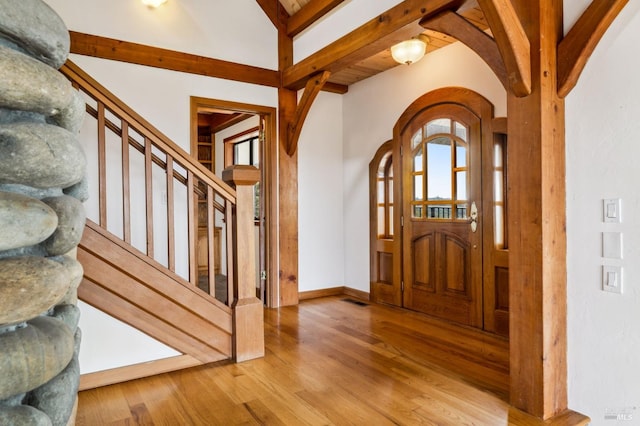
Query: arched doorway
448, 256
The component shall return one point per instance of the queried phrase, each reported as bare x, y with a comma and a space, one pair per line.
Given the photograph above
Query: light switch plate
612, 245
612, 210
612, 279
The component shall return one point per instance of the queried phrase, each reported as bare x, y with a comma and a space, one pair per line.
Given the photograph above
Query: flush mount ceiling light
410, 51
154, 3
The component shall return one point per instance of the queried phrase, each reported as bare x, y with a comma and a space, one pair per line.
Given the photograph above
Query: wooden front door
441, 214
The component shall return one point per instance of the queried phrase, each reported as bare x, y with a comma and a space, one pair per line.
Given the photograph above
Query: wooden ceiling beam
276, 13
309, 14
396, 24
469, 4
340, 89
124, 51
577, 46
512, 42
219, 122
313, 87
454, 25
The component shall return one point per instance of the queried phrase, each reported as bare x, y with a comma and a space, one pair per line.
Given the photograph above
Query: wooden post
287, 205
537, 237
248, 317
287, 184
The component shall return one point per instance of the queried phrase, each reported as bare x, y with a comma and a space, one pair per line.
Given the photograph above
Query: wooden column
288, 222
288, 184
248, 318
537, 235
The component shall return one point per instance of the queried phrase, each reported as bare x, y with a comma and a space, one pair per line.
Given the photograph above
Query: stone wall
42, 187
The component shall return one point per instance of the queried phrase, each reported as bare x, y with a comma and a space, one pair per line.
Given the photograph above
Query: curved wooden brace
512, 42
454, 25
311, 90
575, 49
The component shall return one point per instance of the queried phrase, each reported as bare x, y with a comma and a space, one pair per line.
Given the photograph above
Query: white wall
345, 18
371, 109
602, 137
320, 205
220, 29
109, 343
215, 28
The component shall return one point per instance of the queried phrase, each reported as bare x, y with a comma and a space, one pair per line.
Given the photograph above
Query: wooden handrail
146, 129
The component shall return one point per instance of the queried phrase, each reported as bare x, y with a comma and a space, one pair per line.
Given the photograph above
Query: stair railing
148, 187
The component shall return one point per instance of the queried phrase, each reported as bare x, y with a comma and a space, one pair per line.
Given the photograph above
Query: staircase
135, 289
157, 213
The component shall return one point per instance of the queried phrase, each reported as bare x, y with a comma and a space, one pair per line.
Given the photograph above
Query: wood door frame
269, 172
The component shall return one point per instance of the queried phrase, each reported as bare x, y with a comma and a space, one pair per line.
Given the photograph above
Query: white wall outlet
612, 210
612, 279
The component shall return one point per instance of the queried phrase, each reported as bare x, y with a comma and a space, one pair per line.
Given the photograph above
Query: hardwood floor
328, 361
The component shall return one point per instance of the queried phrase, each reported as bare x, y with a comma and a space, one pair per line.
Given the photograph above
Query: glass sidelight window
500, 191
384, 180
440, 174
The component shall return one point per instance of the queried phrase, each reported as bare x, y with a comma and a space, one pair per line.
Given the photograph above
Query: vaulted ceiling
382, 61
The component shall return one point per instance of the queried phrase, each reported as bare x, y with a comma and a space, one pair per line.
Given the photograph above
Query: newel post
248, 319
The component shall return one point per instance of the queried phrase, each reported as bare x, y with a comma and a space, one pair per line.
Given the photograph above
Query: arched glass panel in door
440, 178
384, 197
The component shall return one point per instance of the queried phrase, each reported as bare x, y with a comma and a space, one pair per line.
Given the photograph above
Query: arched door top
467, 98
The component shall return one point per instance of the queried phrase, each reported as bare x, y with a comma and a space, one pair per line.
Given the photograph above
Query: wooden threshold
136, 371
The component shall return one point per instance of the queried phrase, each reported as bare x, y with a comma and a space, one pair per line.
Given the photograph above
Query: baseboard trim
333, 291
358, 294
568, 417
136, 371
324, 292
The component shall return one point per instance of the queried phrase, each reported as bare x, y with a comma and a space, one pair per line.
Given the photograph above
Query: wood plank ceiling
292, 6
383, 61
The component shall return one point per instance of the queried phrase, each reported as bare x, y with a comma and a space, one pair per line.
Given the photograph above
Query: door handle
473, 217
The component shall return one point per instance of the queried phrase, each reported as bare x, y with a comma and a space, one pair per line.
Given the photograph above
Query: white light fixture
154, 3
410, 51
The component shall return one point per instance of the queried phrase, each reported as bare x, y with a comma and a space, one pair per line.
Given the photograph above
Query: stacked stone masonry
42, 187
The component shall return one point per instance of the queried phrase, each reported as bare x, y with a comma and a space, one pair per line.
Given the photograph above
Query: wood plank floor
328, 361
